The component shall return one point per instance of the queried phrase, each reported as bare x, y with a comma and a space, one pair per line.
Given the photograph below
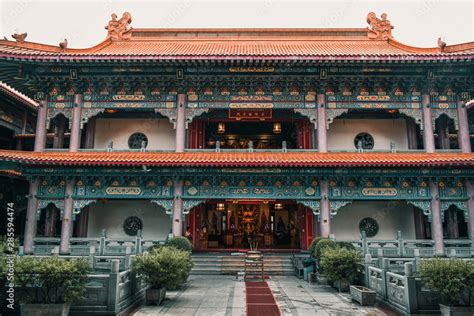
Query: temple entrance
261, 129
240, 224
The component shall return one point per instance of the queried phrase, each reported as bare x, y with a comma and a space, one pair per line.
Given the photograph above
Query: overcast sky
417, 23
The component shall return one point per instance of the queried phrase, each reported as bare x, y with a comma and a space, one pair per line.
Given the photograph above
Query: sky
416, 22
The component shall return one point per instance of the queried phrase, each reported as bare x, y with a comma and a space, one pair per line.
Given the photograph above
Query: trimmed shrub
345, 244
322, 244
180, 242
453, 278
51, 280
341, 264
166, 267
312, 247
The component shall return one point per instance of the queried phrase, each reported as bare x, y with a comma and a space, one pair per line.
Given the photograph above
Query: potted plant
318, 245
454, 280
163, 268
47, 286
341, 266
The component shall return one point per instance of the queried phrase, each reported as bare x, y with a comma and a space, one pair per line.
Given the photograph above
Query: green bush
322, 244
345, 244
312, 247
51, 280
341, 264
453, 278
5, 246
166, 267
180, 242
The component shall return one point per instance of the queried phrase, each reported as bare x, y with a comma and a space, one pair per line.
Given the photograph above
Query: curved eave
317, 58
239, 159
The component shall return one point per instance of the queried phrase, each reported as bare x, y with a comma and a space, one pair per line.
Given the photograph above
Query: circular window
369, 226
132, 225
364, 141
136, 139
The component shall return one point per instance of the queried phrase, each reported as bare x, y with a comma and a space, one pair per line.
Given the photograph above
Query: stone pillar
75, 140
322, 131
30, 225
436, 224
463, 133
470, 206
181, 123
177, 225
67, 221
325, 209
443, 137
428, 135
58, 140
411, 133
40, 137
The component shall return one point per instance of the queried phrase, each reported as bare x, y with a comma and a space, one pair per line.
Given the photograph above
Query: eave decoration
380, 29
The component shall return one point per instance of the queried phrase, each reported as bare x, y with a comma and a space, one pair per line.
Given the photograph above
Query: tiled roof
241, 159
324, 44
6, 89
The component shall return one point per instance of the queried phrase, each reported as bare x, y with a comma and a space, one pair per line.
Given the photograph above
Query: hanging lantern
276, 128
278, 206
221, 128
220, 207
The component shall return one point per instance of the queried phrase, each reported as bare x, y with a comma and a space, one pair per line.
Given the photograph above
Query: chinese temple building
270, 135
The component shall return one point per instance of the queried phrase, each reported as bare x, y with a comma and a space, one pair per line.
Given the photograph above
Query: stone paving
223, 295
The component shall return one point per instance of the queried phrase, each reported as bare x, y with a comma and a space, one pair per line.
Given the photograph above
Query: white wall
112, 214
391, 217
342, 132
160, 133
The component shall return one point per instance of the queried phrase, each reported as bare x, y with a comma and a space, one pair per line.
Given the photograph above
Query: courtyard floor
224, 295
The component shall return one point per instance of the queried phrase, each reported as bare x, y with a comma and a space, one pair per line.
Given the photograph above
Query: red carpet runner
260, 300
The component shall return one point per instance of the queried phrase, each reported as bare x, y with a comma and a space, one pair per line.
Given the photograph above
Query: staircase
225, 263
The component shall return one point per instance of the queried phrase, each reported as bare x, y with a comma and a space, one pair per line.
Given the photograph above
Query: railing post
401, 248
138, 242
102, 242
92, 256
385, 268
113, 285
367, 263
410, 288
416, 253
365, 249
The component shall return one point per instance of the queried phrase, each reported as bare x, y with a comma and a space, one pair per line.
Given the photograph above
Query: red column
75, 140
30, 226
428, 135
40, 137
181, 123
322, 131
464, 137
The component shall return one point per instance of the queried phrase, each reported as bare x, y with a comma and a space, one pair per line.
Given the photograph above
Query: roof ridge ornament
20, 38
379, 28
119, 29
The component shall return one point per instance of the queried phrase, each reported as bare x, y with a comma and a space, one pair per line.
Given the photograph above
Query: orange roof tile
240, 43
241, 159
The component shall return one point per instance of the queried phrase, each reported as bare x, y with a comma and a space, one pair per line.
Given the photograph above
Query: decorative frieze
334, 206
171, 114
311, 114
188, 204
53, 112
331, 114
424, 205
416, 114
167, 204
43, 203
461, 205
314, 205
